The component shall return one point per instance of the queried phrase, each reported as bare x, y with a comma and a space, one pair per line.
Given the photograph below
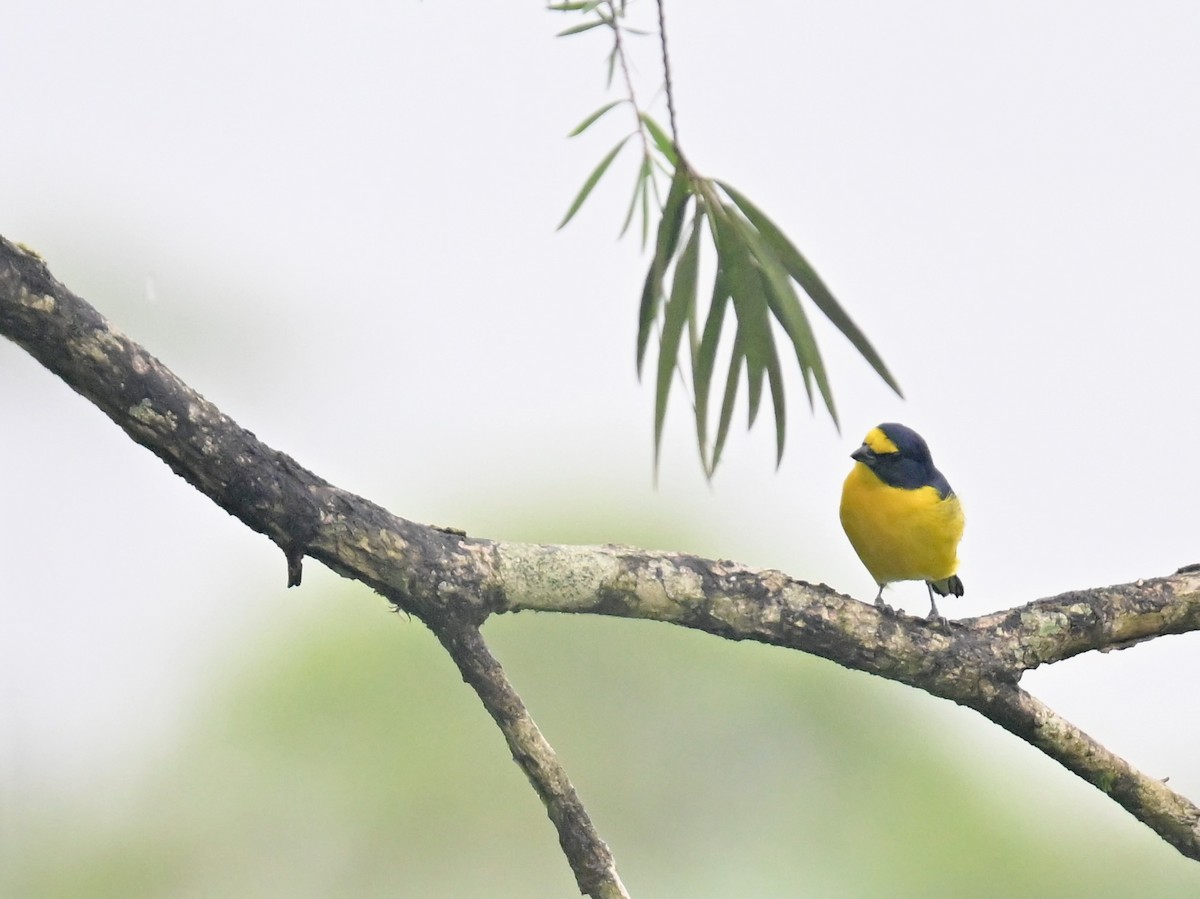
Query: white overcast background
337, 222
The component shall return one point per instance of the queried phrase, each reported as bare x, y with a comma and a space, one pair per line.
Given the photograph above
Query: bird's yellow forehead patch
879, 442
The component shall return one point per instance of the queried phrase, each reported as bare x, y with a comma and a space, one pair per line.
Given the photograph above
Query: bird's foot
936, 617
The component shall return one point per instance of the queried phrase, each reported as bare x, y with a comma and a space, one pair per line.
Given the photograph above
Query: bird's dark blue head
900, 457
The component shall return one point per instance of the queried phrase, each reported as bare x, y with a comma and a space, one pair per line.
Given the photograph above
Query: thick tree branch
730, 600
453, 582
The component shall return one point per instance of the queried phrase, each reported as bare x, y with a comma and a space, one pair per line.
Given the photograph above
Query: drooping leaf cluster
759, 278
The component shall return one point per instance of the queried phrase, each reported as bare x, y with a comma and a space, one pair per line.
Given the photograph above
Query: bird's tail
951, 586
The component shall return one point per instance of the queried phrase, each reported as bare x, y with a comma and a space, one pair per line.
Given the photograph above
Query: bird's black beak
863, 454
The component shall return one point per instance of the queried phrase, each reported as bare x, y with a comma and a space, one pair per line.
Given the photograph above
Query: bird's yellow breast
901, 535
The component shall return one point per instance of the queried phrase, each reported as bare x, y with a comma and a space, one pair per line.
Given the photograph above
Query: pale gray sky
337, 222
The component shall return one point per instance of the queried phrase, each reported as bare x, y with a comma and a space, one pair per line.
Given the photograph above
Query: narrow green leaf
653, 187
661, 139
749, 301
704, 360
775, 377
669, 227
678, 311
584, 26
804, 274
571, 7
754, 389
745, 285
694, 326
770, 362
783, 303
670, 173
612, 66
592, 180
639, 186
785, 306
731, 385
591, 120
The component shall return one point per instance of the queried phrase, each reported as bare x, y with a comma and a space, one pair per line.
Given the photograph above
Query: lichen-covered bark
423, 569
454, 582
739, 603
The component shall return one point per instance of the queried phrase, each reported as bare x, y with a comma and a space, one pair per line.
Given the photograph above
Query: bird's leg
880, 604
934, 614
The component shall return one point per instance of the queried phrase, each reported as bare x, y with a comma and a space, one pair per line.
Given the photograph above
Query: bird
902, 517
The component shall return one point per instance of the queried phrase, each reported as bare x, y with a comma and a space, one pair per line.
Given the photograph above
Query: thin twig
666, 62
619, 49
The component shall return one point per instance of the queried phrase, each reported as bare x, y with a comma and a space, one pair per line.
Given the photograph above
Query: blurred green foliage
344, 756
339, 753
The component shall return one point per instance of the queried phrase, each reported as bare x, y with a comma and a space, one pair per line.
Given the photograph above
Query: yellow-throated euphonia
900, 514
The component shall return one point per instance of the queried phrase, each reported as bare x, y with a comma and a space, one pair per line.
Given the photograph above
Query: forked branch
454, 582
